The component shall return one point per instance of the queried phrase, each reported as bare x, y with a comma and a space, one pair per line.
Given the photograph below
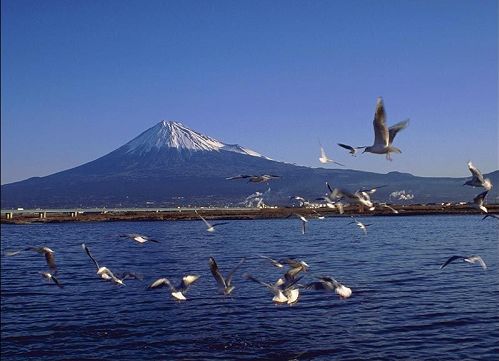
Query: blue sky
81, 78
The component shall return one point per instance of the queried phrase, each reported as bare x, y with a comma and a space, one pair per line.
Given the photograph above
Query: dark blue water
402, 307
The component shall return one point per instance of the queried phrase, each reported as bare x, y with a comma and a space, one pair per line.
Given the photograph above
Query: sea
403, 306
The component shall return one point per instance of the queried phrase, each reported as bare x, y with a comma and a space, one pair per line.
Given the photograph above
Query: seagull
324, 158
301, 200
178, 293
479, 201
359, 196
255, 178
360, 224
477, 179
389, 207
211, 227
283, 293
224, 283
330, 284
104, 272
51, 277
319, 216
351, 150
47, 252
138, 238
383, 136
470, 259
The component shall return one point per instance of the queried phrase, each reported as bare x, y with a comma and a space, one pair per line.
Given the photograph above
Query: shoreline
116, 215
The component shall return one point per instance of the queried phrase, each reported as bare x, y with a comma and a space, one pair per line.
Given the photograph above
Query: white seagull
139, 238
255, 178
324, 158
178, 292
383, 136
361, 197
224, 283
330, 284
477, 179
103, 272
360, 224
210, 227
470, 259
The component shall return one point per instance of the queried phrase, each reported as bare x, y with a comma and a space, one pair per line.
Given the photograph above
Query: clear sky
81, 78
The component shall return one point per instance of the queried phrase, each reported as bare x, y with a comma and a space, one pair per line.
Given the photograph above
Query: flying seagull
389, 207
103, 272
47, 252
255, 178
178, 293
477, 179
360, 224
479, 200
470, 259
361, 197
330, 284
351, 150
324, 158
138, 238
224, 283
383, 136
211, 227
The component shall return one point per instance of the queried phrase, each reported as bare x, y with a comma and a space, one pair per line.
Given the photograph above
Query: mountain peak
174, 135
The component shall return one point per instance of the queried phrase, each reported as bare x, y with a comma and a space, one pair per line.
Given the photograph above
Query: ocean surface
402, 306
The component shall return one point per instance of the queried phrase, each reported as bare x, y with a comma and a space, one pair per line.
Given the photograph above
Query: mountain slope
170, 165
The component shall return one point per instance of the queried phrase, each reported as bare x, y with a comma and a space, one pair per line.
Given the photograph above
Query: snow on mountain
171, 134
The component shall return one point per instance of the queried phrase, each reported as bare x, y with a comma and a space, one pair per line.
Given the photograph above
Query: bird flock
286, 289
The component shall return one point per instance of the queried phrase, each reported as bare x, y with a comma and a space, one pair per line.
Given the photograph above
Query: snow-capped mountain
170, 165
171, 134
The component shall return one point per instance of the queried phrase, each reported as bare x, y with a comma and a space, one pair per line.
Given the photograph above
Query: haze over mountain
172, 165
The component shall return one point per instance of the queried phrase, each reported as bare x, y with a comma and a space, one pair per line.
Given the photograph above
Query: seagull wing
56, 281
238, 177
394, 129
475, 172
204, 220
349, 147
187, 280
318, 286
160, 282
275, 263
451, 259
90, 255
216, 273
480, 198
251, 278
231, 273
381, 136
323, 153
49, 257
478, 259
